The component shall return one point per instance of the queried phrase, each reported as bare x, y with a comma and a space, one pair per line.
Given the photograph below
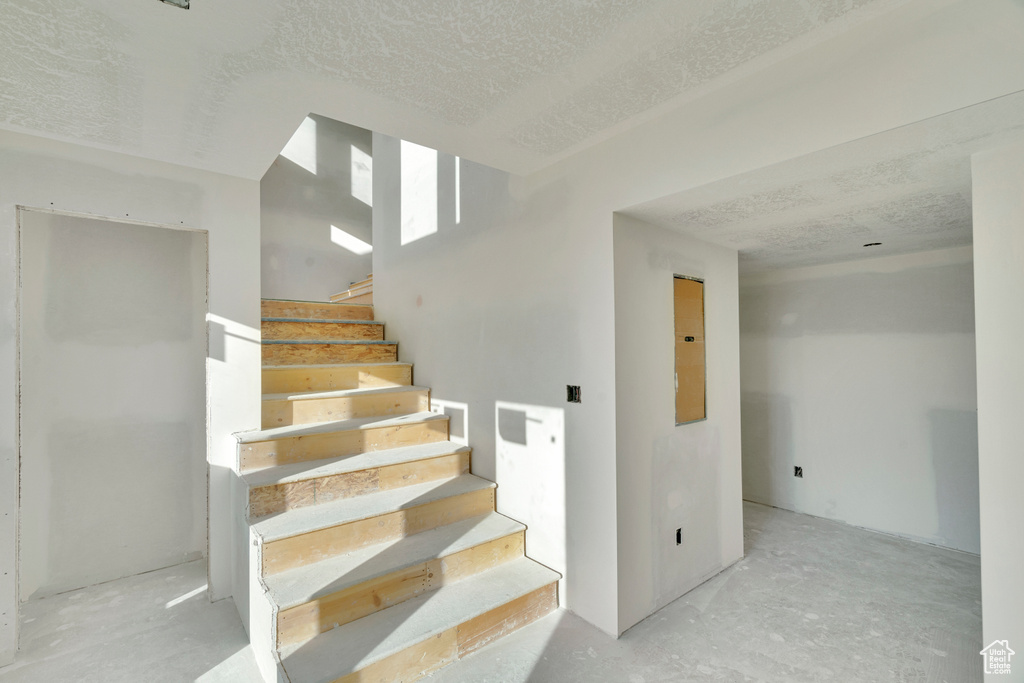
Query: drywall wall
497, 361
673, 476
998, 200
54, 175
315, 213
113, 469
862, 373
518, 302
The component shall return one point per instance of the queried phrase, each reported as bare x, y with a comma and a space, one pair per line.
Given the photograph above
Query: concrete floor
813, 600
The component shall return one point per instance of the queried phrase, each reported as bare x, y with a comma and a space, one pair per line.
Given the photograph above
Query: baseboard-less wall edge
694, 585
890, 534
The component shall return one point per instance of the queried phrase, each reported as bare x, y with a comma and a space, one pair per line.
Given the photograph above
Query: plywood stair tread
314, 469
356, 645
342, 393
318, 303
291, 431
346, 321
327, 341
315, 366
312, 518
303, 584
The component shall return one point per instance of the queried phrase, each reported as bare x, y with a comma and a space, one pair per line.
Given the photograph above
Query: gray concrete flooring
812, 600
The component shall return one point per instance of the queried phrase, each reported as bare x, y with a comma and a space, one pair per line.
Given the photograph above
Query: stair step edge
306, 301
315, 366
304, 520
343, 393
314, 469
375, 422
317, 580
361, 643
343, 321
327, 341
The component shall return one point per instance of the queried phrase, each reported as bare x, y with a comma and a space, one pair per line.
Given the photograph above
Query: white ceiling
908, 188
516, 85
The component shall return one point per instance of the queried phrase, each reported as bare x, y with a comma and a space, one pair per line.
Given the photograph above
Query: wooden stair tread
342, 393
314, 469
309, 582
304, 520
345, 321
315, 366
319, 303
327, 341
358, 644
290, 431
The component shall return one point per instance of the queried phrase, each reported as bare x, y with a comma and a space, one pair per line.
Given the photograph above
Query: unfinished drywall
315, 212
113, 387
498, 364
998, 198
53, 175
862, 374
672, 476
517, 303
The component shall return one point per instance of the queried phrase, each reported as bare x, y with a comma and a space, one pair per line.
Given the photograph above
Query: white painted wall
673, 476
496, 335
318, 186
47, 174
998, 201
863, 374
113, 469
516, 300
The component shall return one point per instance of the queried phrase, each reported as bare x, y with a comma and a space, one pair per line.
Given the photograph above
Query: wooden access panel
690, 368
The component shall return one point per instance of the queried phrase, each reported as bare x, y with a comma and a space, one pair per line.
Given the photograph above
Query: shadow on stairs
375, 555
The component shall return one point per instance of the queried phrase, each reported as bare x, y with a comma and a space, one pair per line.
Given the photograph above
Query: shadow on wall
767, 442
530, 440
955, 460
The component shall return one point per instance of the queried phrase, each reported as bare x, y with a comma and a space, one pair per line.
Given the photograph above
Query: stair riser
311, 354
277, 329
303, 622
267, 500
260, 454
422, 658
313, 309
287, 553
279, 413
293, 380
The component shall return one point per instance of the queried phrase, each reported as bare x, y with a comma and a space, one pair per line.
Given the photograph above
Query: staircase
374, 554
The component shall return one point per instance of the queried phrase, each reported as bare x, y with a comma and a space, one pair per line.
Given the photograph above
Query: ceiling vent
183, 4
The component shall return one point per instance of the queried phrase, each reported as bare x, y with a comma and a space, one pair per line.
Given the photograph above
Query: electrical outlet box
572, 393
679, 536
798, 472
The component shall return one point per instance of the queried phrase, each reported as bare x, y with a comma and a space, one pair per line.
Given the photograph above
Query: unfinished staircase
374, 554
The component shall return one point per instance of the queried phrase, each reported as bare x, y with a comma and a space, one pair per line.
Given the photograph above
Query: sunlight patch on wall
458, 418
350, 242
458, 190
529, 449
362, 176
301, 149
419, 192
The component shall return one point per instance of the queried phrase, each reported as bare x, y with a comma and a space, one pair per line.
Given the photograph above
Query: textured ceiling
908, 188
223, 85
